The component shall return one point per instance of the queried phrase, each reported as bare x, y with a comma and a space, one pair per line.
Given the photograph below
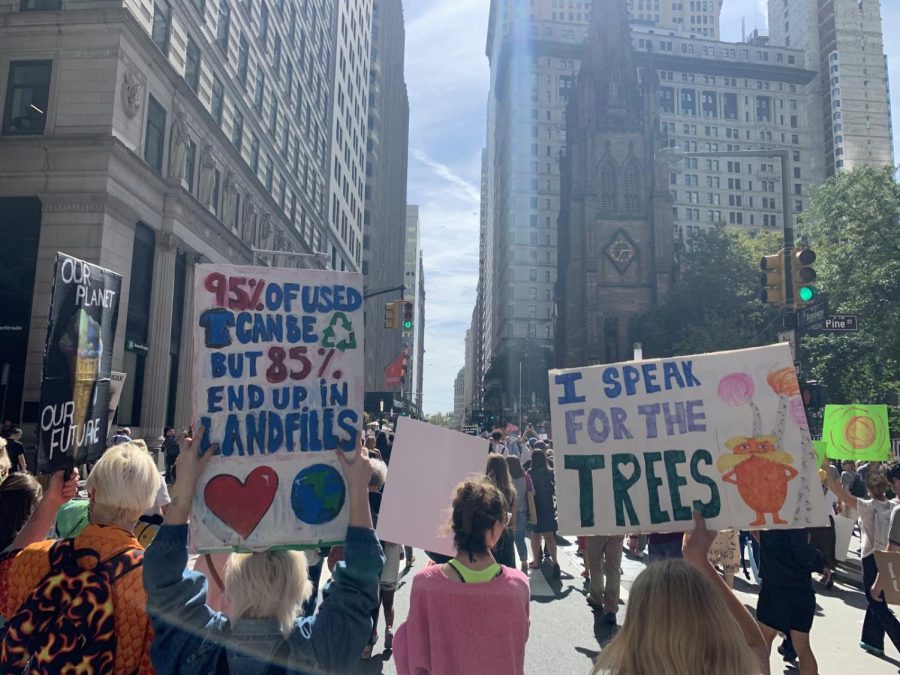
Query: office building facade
348, 130
147, 137
384, 218
843, 43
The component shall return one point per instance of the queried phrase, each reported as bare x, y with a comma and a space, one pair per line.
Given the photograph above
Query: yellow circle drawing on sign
860, 432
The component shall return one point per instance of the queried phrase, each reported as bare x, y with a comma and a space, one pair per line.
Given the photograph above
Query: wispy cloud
447, 77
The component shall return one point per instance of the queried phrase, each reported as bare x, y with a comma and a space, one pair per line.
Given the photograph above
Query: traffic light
804, 275
813, 394
407, 315
390, 315
404, 363
771, 280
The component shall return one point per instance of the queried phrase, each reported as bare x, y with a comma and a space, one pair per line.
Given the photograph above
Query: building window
730, 106
269, 173
260, 89
200, 6
608, 180
190, 162
273, 118
237, 134
263, 22
632, 180
243, 58
192, 65
688, 102
276, 56
154, 139
217, 103
223, 26
217, 185
27, 96
162, 24
667, 99
254, 154
39, 5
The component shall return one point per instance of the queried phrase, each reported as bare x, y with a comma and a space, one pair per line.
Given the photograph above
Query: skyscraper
348, 130
693, 17
844, 44
533, 51
384, 219
140, 137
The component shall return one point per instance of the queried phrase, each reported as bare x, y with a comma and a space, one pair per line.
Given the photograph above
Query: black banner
77, 364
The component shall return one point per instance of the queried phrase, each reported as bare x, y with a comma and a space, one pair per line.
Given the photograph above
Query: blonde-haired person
719, 637
265, 590
122, 485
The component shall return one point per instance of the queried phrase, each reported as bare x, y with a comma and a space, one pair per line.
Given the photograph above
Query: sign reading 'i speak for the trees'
639, 445
278, 368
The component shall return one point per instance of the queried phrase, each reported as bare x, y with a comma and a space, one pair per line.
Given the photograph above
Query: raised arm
838, 489
695, 549
58, 493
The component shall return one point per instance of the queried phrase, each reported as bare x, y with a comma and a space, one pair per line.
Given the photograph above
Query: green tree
714, 304
853, 225
441, 420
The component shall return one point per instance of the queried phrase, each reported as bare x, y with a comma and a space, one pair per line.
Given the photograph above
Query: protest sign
116, 384
278, 383
857, 432
888, 563
427, 463
821, 448
641, 444
84, 308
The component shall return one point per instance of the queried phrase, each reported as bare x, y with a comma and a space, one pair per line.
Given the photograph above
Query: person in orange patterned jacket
121, 486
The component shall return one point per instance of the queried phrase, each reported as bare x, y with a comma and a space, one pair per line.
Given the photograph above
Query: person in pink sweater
454, 607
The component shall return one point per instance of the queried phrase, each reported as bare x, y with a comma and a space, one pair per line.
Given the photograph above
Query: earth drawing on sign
318, 494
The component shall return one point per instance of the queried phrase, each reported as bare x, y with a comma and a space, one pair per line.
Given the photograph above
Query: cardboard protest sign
857, 432
821, 448
116, 385
639, 445
278, 383
427, 463
889, 571
84, 308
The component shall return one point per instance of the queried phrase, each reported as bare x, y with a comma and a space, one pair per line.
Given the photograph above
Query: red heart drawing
242, 505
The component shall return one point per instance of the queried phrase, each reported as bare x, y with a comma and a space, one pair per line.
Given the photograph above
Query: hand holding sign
190, 463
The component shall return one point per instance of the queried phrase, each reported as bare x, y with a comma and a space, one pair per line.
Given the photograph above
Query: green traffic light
807, 293
407, 325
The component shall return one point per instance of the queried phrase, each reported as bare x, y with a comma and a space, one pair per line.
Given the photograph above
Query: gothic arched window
633, 190
608, 186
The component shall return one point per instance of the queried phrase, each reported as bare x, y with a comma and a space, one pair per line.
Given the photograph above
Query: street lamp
671, 155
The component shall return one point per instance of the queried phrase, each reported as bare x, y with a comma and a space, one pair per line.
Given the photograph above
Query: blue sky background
447, 76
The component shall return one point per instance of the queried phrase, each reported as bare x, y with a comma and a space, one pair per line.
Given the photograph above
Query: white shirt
874, 524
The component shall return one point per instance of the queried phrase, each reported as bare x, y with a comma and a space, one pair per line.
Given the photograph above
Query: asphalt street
565, 637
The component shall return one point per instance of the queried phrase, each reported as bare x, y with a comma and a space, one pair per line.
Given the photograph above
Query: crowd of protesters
113, 590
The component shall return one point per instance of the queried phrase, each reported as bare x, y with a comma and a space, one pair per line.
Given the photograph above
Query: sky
447, 77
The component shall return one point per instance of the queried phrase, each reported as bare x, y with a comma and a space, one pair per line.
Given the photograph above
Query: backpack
50, 633
858, 487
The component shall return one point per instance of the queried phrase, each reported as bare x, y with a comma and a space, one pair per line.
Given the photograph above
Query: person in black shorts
787, 602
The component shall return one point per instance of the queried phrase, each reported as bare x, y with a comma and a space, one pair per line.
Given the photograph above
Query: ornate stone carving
179, 135
265, 228
207, 167
229, 193
167, 241
132, 93
248, 226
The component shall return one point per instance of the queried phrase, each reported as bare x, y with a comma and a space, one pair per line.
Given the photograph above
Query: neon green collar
470, 576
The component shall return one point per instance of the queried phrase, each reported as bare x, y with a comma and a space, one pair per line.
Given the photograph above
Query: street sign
789, 336
812, 317
840, 323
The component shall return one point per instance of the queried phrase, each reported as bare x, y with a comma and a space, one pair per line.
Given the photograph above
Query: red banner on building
396, 371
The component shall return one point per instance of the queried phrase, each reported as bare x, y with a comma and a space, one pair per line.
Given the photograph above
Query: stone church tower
615, 226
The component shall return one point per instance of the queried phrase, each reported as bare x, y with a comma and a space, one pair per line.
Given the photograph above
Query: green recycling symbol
339, 334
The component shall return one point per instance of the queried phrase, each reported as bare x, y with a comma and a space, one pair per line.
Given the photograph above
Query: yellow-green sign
821, 448
857, 432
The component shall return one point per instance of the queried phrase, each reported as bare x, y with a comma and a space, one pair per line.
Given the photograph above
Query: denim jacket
189, 636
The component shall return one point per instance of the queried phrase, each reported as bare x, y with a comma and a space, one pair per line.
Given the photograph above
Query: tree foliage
714, 305
853, 225
441, 420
